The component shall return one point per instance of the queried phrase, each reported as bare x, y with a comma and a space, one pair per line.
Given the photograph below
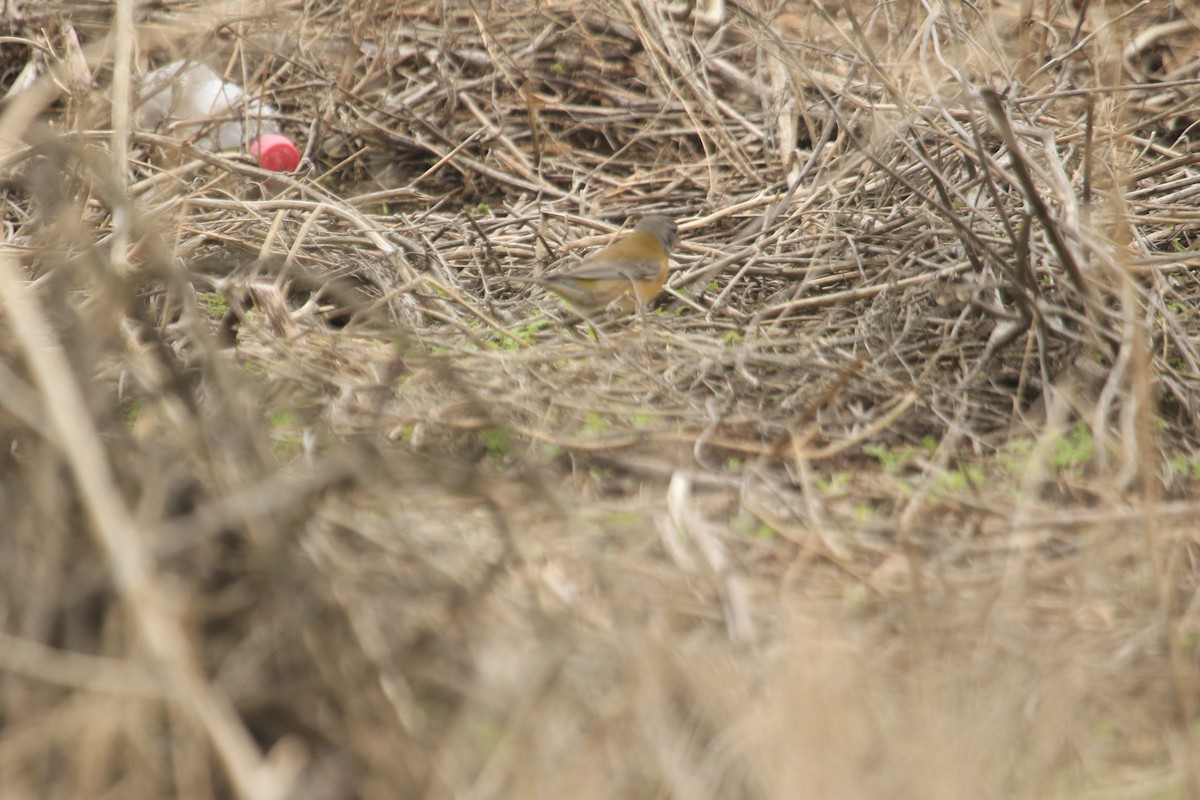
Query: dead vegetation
892, 495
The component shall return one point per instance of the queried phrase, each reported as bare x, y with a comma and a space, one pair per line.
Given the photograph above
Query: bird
626, 274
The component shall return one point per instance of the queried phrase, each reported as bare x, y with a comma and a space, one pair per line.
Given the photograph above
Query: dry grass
893, 494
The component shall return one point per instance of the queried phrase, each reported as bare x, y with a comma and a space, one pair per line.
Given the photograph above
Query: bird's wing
635, 269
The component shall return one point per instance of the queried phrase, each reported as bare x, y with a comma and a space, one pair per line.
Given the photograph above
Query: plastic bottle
216, 112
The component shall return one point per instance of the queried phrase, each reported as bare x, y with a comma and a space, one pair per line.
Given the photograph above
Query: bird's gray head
661, 226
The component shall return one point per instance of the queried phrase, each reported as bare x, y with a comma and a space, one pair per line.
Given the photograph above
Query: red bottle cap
275, 152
